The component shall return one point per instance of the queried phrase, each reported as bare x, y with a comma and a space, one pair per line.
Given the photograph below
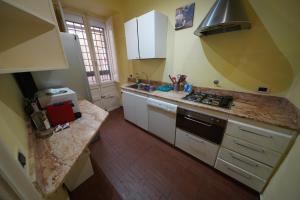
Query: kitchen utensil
170, 77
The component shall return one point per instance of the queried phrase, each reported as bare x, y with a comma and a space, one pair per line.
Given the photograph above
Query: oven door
204, 126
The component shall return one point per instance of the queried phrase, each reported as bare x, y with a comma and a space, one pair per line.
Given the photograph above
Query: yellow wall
241, 60
13, 128
294, 92
281, 20
285, 184
265, 55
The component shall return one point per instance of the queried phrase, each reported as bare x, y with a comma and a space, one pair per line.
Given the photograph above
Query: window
101, 53
94, 48
79, 30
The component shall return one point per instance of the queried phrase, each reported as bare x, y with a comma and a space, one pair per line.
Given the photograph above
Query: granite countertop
54, 156
277, 111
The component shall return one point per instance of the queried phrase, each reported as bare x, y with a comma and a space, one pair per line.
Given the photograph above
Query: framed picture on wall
184, 16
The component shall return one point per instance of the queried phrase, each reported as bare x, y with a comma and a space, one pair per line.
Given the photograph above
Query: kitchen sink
142, 86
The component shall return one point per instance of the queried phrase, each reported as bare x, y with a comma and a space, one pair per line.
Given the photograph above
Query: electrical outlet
262, 89
21, 159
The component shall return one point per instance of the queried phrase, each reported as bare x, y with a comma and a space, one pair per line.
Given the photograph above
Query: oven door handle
199, 122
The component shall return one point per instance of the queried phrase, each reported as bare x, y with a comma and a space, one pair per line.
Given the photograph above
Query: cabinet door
132, 44
141, 111
32, 49
152, 33
162, 124
128, 106
146, 34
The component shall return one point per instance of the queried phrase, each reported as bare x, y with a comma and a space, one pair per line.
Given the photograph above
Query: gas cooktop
210, 99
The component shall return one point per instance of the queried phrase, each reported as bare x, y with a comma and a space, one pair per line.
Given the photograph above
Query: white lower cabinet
261, 170
128, 106
198, 147
135, 109
241, 175
250, 153
265, 137
254, 151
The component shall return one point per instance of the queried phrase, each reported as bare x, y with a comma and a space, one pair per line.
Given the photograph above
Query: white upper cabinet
30, 39
146, 36
132, 41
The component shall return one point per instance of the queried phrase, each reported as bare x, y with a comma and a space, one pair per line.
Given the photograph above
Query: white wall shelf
30, 39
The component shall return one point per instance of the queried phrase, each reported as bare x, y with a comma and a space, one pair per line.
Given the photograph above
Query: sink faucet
147, 77
137, 76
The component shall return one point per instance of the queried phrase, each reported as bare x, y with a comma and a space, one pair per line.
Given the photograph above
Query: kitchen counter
54, 156
272, 110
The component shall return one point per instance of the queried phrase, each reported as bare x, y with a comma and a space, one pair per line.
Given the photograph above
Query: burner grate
210, 99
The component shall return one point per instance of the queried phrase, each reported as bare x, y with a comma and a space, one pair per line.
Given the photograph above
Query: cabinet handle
239, 173
196, 139
107, 97
248, 147
241, 160
259, 134
199, 122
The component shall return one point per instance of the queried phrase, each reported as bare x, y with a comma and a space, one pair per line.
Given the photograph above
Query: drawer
245, 163
95, 94
242, 176
196, 146
257, 135
254, 151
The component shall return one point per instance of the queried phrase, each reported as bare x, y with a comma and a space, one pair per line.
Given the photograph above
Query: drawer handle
246, 162
259, 134
197, 140
107, 97
251, 148
199, 122
239, 173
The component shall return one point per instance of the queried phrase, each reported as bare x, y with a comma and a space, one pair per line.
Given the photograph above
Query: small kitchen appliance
58, 95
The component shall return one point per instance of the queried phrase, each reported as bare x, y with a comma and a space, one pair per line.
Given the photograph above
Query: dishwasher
162, 119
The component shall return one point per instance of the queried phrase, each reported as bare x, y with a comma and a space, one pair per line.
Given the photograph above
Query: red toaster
60, 113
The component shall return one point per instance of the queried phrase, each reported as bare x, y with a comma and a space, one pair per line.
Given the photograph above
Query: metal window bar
79, 30
102, 59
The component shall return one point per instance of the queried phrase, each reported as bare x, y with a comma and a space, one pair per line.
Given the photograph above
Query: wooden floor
132, 164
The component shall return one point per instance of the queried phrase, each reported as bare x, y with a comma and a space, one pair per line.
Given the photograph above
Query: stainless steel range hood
224, 16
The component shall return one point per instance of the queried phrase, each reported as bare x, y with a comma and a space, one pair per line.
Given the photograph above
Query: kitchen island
53, 157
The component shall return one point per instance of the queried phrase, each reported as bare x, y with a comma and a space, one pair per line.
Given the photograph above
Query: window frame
94, 22
88, 22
